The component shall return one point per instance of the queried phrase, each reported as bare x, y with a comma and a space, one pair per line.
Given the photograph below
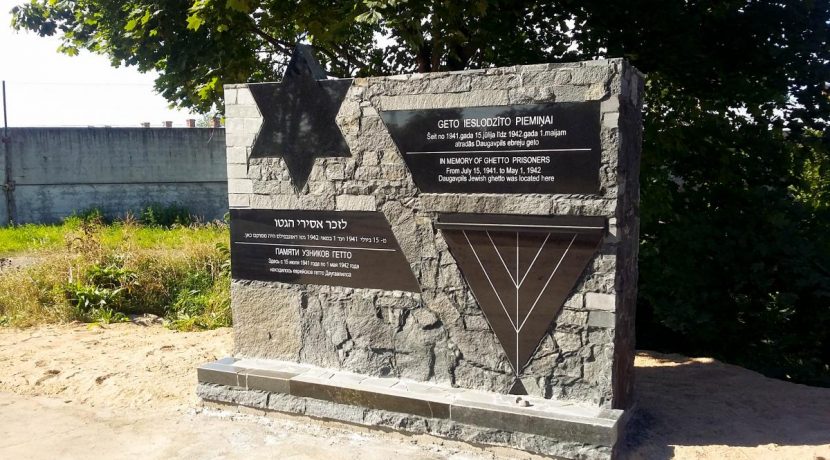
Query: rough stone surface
356, 203
439, 335
266, 321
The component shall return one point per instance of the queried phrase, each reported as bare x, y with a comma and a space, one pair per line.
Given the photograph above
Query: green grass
28, 238
32, 238
119, 236
83, 270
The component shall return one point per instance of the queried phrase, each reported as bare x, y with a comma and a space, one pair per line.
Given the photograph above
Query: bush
166, 215
111, 277
150, 214
735, 245
96, 304
93, 215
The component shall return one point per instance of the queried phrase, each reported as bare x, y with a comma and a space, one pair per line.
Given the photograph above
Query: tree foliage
735, 253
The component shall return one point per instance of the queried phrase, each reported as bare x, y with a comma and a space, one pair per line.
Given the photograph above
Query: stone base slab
538, 425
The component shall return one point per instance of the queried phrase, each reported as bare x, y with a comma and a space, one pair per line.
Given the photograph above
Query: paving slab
70, 431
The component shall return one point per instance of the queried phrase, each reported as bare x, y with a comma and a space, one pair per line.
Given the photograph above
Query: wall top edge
108, 128
488, 71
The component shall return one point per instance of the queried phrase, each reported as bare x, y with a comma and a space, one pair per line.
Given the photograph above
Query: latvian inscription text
538, 148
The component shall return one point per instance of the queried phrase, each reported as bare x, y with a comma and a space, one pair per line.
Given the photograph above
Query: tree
735, 253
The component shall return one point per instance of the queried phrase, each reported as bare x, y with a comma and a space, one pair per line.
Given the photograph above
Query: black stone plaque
298, 116
335, 248
538, 148
521, 270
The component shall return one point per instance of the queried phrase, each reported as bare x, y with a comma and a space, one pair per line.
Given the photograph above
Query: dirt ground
127, 391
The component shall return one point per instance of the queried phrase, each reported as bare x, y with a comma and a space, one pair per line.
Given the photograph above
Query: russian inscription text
336, 248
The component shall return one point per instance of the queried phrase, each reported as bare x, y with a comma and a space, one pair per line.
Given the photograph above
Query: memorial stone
447, 253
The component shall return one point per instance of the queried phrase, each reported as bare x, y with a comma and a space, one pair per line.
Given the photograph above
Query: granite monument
451, 253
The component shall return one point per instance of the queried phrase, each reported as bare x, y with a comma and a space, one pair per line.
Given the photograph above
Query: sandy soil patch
118, 365
132, 381
700, 408
17, 262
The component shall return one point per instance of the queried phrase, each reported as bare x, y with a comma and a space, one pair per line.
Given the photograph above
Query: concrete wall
57, 171
440, 335
4, 211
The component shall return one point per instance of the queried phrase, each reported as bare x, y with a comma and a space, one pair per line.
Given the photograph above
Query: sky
47, 88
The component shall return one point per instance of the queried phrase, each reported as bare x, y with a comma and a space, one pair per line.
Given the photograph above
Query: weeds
108, 316
86, 298
112, 277
35, 294
84, 239
106, 272
160, 215
89, 215
201, 309
148, 228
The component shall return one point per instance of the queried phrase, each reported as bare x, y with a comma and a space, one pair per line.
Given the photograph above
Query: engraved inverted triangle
520, 307
518, 388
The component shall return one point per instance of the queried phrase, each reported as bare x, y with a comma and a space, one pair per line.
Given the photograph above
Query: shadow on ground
683, 402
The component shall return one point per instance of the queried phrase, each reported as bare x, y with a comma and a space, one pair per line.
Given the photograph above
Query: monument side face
414, 271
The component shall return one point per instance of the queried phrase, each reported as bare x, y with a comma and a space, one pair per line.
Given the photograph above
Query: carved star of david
299, 116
